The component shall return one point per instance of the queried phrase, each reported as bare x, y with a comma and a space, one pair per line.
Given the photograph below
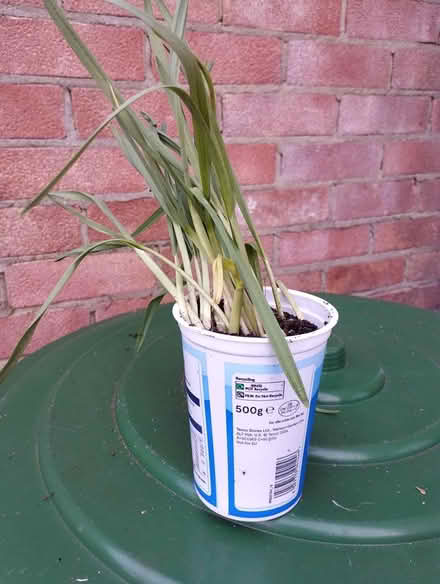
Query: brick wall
331, 112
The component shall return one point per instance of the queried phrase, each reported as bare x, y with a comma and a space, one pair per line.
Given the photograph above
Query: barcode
286, 471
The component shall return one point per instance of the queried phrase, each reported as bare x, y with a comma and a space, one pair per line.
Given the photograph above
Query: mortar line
68, 116
391, 81
284, 63
88, 83
343, 20
429, 115
132, 21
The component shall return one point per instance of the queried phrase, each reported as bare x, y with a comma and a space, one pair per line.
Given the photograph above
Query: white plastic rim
249, 431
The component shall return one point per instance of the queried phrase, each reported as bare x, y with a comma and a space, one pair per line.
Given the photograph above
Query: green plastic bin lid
96, 472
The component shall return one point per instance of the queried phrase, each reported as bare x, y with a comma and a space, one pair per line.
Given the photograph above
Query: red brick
276, 208
31, 111
318, 17
337, 64
319, 245
436, 116
406, 296
24, 171
42, 230
55, 324
30, 283
354, 200
393, 19
365, 276
424, 266
36, 3
416, 69
411, 157
253, 163
379, 114
267, 243
131, 214
239, 59
201, 11
321, 162
305, 281
91, 107
3, 295
429, 195
120, 50
121, 306
279, 114
426, 297
407, 233
99, 7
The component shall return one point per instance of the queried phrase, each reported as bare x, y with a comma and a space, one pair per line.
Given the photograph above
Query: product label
267, 426
199, 443
199, 413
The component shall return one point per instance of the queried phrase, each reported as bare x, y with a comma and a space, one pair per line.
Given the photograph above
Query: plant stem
237, 303
205, 308
186, 263
296, 309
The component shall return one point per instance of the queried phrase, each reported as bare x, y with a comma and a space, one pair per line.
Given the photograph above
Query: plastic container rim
333, 318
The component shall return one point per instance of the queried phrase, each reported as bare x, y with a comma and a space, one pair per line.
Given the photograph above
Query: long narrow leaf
60, 197
290, 299
253, 258
148, 222
150, 311
83, 218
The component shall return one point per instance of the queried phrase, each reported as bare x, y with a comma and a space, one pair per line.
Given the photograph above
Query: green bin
96, 471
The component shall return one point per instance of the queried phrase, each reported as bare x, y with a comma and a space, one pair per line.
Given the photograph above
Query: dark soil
291, 325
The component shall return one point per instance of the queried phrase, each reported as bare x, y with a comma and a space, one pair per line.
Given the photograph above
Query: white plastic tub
249, 431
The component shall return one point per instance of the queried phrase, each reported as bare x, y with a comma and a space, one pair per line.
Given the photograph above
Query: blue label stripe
212, 498
316, 380
230, 370
192, 397
198, 427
